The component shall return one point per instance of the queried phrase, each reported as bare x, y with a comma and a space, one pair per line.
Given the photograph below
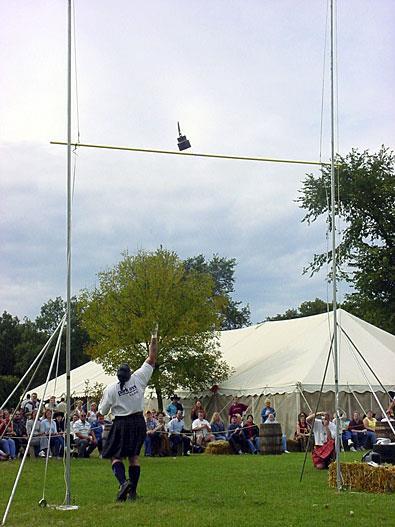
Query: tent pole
334, 262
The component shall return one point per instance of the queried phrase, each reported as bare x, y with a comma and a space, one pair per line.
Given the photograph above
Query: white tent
286, 360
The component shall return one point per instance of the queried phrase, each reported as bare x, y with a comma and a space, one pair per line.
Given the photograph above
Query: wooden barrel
270, 439
383, 430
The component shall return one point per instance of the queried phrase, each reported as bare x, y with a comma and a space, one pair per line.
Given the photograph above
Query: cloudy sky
243, 77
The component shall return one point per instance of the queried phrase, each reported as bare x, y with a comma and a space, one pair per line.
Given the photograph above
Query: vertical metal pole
68, 308
334, 260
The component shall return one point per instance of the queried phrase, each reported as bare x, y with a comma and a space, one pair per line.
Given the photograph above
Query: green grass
198, 491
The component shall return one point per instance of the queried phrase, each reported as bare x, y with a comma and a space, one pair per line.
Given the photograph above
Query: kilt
126, 436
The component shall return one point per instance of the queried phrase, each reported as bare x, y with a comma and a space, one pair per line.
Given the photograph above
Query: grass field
199, 491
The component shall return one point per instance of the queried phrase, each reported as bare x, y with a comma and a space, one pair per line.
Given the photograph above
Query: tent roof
273, 357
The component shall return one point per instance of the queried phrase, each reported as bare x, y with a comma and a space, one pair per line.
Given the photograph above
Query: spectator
302, 432
97, 427
177, 430
358, 432
35, 442
151, 439
267, 410
236, 408
218, 427
195, 409
7, 443
369, 422
49, 437
202, 430
78, 408
251, 433
172, 407
62, 406
19, 426
162, 448
324, 435
51, 405
91, 414
236, 437
84, 438
346, 433
32, 404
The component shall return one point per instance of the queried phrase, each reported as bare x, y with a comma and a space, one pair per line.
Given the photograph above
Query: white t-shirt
81, 428
198, 424
320, 435
129, 400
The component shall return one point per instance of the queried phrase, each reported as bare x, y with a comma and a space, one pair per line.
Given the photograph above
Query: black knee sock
134, 475
119, 471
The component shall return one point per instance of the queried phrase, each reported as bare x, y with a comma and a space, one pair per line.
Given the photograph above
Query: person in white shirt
177, 435
125, 399
324, 439
202, 430
84, 437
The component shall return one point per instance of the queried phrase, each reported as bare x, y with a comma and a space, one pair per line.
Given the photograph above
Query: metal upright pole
68, 308
334, 260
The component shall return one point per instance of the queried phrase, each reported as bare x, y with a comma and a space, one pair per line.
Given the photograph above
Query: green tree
51, 313
150, 288
366, 204
306, 309
233, 315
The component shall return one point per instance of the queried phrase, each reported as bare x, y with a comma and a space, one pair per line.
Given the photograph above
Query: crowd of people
167, 433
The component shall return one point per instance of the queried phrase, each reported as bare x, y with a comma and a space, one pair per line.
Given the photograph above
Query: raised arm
153, 349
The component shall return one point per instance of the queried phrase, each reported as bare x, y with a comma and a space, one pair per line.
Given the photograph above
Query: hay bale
363, 477
217, 448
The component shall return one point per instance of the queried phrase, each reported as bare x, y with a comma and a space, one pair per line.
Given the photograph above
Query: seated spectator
97, 427
177, 430
62, 406
84, 438
218, 427
50, 437
202, 430
197, 407
251, 432
162, 447
7, 443
324, 439
236, 437
91, 414
271, 419
35, 442
369, 422
78, 408
19, 426
358, 431
302, 432
236, 408
347, 441
267, 410
390, 412
151, 438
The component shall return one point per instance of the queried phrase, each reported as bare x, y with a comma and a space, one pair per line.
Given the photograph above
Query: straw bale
218, 448
363, 477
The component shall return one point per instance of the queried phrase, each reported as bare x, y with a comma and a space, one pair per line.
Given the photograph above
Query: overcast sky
243, 77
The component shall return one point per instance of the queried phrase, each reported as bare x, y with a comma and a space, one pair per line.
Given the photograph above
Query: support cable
28, 442
43, 351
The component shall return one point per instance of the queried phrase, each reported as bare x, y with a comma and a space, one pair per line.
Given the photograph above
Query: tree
367, 206
306, 309
233, 315
149, 288
51, 313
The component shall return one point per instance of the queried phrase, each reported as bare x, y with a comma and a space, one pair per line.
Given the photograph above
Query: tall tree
366, 204
233, 315
150, 288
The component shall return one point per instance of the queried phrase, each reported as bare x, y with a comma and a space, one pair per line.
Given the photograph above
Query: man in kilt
125, 399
